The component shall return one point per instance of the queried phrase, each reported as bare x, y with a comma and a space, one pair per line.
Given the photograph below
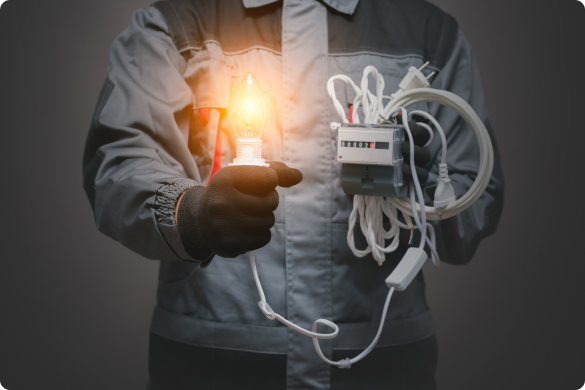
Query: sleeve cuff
166, 199
165, 202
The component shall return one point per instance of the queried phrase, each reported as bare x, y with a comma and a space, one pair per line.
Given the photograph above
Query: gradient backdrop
75, 306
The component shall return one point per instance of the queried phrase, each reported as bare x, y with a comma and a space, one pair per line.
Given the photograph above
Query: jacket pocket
209, 76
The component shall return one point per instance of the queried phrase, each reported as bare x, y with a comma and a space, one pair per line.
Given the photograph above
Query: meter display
371, 161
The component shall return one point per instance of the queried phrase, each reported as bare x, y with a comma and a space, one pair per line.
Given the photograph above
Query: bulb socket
249, 152
249, 148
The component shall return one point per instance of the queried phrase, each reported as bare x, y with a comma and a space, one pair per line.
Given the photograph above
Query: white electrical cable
370, 208
268, 312
422, 223
370, 211
486, 152
344, 363
347, 362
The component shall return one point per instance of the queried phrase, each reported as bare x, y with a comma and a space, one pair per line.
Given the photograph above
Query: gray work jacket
149, 142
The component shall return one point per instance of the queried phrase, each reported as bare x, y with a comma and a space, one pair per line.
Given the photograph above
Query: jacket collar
344, 6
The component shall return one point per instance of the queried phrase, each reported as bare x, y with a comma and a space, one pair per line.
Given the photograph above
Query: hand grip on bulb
234, 213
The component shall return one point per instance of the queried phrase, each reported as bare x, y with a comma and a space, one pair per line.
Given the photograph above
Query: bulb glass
250, 116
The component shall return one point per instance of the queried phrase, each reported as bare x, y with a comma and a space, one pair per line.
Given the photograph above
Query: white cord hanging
344, 363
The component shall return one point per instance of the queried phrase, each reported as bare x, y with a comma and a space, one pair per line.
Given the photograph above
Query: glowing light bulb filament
248, 116
250, 113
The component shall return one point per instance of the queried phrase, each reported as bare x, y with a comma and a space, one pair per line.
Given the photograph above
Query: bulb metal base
249, 152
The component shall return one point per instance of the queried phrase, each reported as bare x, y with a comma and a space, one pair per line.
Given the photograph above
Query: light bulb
250, 112
250, 120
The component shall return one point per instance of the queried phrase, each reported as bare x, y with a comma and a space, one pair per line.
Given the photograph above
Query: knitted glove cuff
166, 199
189, 216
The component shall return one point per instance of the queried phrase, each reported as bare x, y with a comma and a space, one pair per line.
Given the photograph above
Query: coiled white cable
371, 209
486, 152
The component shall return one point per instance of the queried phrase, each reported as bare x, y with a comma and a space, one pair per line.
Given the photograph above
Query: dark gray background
75, 306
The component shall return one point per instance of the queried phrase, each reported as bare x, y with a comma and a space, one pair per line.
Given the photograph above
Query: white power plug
444, 194
413, 79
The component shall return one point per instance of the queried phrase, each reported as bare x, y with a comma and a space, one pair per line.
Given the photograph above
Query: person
156, 173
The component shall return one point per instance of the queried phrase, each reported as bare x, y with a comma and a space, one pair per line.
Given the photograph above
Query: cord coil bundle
414, 89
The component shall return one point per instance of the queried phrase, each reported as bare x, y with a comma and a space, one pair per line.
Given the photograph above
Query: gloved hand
234, 213
422, 155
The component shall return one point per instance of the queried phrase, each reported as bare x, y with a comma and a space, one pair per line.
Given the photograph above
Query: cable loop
267, 310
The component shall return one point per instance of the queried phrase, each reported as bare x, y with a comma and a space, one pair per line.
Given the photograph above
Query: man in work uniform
164, 124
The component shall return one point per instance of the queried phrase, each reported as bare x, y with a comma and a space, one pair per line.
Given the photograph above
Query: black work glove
422, 156
234, 213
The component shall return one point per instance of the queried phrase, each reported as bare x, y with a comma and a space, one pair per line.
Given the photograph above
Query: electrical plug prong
431, 75
424, 65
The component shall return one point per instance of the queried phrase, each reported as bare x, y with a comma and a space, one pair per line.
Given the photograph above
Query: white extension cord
414, 89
